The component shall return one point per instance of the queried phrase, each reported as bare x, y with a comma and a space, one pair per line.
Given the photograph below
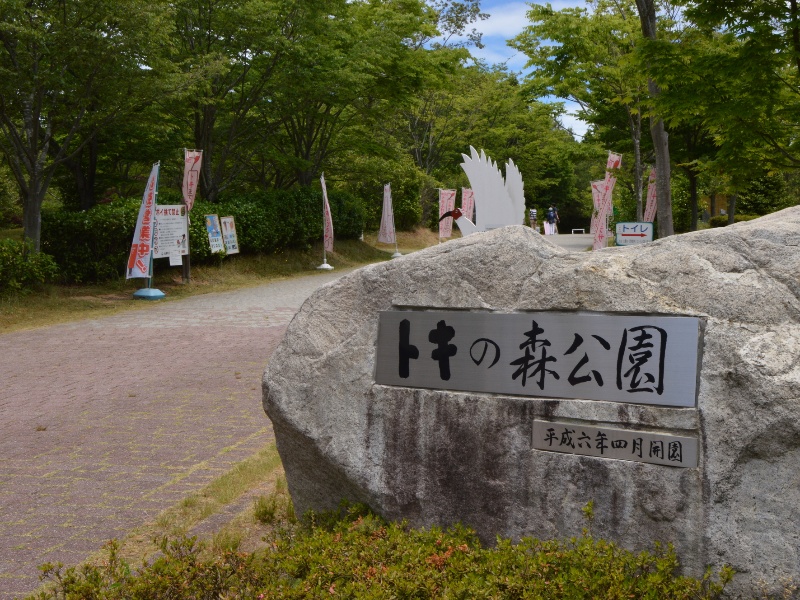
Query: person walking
551, 221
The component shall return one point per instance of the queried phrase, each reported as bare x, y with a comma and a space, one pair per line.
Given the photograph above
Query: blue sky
507, 20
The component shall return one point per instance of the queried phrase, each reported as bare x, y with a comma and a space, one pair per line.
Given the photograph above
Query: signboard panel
214, 234
229, 235
594, 356
619, 444
629, 234
169, 238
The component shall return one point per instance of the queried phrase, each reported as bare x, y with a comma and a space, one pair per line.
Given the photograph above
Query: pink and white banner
447, 202
386, 234
598, 192
600, 237
602, 191
191, 176
142, 246
652, 204
327, 220
468, 203
614, 161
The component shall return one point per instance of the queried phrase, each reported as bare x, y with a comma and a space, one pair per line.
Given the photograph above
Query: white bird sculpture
498, 202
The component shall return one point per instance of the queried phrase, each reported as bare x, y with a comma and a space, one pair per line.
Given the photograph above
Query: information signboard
214, 234
639, 359
619, 444
629, 234
229, 235
170, 235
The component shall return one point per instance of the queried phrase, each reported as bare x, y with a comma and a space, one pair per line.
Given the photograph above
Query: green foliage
90, 245
21, 268
722, 220
10, 207
764, 195
93, 245
354, 554
371, 173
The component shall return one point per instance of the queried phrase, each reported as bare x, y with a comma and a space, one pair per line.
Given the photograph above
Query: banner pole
324, 266
150, 293
186, 271
187, 263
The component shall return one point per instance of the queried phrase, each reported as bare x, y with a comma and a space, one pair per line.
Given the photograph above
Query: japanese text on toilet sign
620, 358
620, 444
634, 233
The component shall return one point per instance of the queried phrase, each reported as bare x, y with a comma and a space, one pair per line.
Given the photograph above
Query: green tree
586, 56
360, 65
234, 53
756, 45
56, 60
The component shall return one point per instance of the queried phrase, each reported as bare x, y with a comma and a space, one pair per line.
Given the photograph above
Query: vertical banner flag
468, 203
602, 198
447, 202
191, 175
608, 194
597, 202
142, 246
326, 217
386, 234
650, 207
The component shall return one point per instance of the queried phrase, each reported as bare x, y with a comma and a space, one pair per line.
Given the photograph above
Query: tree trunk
731, 209
647, 16
663, 186
713, 204
635, 124
692, 176
32, 221
84, 175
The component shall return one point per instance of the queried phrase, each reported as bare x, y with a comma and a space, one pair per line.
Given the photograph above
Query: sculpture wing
516, 192
493, 206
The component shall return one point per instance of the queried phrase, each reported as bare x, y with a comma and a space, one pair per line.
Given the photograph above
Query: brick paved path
105, 423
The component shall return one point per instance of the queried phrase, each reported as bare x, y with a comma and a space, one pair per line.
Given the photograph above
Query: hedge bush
722, 220
364, 557
21, 268
93, 245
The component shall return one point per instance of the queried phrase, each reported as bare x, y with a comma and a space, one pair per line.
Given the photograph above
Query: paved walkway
105, 423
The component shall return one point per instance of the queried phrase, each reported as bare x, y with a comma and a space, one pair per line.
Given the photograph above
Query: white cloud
506, 20
578, 127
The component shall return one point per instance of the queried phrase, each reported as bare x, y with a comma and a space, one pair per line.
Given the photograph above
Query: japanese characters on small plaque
594, 356
621, 444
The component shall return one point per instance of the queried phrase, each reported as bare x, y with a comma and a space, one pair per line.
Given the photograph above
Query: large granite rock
438, 457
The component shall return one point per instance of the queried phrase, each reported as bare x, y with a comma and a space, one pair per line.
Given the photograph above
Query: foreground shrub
722, 220
21, 268
359, 555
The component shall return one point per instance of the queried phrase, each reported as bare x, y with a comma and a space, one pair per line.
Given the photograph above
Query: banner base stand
396, 255
325, 266
149, 294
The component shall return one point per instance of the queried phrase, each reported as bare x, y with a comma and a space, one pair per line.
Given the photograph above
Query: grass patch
11, 233
54, 304
408, 241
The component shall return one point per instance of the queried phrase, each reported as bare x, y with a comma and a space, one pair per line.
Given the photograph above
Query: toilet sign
629, 234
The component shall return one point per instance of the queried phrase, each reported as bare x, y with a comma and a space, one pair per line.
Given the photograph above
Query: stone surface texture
440, 457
